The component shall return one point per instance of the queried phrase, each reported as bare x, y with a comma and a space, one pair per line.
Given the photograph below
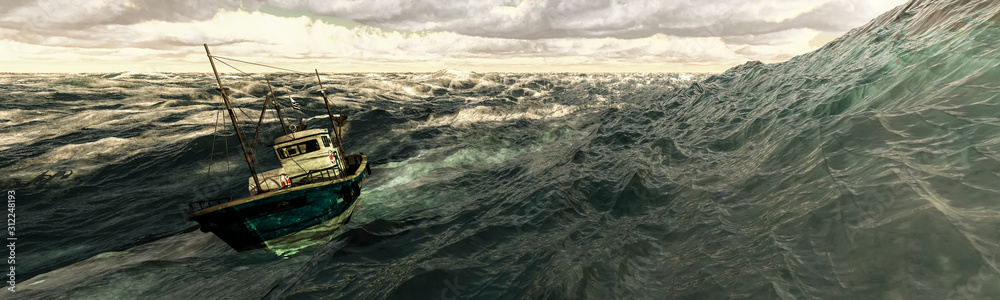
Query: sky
420, 36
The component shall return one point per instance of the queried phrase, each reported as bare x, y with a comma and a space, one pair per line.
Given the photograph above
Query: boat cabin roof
300, 135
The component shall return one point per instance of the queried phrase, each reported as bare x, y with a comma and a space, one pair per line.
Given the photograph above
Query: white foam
479, 114
130, 75
84, 158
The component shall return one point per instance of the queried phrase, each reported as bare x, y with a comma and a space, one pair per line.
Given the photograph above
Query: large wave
865, 169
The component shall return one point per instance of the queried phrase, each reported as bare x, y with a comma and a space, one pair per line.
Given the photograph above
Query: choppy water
865, 170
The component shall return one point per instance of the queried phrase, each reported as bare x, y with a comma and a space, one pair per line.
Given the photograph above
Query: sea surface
867, 169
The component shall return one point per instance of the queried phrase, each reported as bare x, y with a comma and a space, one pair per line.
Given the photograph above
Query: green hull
250, 222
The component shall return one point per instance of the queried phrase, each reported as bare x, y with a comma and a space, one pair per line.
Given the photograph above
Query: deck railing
314, 176
320, 175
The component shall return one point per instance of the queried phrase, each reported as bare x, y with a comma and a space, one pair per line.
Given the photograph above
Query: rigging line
222, 60
261, 78
259, 64
253, 148
236, 124
248, 118
244, 113
275, 116
240, 108
251, 75
229, 172
234, 68
245, 73
267, 98
241, 71
215, 134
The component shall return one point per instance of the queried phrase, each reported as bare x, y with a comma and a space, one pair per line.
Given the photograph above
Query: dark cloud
710, 31
602, 18
49, 16
523, 19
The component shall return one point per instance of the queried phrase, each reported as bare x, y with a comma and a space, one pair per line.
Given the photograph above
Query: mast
232, 116
263, 110
277, 108
336, 131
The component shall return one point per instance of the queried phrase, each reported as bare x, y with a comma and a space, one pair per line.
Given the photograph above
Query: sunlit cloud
385, 35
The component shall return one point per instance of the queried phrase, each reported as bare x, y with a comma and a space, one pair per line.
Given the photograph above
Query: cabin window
309, 146
326, 141
298, 149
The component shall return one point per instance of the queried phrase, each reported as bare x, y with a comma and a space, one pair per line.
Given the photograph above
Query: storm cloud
719, 31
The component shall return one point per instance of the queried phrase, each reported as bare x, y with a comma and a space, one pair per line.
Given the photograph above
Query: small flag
295, 105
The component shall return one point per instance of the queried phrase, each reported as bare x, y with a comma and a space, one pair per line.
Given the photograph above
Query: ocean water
867, 169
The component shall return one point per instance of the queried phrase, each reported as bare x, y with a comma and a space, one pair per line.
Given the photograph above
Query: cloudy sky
420, 36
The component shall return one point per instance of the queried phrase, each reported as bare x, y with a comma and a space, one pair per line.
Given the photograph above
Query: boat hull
251, 222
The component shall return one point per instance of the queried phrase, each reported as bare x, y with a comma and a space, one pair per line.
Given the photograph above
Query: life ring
333, 157
284, 180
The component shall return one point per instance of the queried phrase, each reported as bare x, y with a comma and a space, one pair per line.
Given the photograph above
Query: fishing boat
316, 185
